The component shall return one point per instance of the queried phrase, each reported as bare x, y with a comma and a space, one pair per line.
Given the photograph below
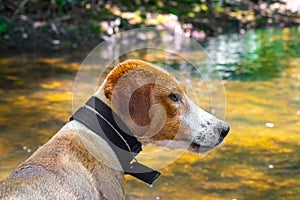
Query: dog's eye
175, 97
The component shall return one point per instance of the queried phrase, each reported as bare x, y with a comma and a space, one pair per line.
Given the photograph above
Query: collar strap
102, 120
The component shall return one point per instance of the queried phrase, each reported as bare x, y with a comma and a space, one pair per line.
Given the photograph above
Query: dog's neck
101, 151
103, 154
99, 117
87, 135
100, 95
95, 144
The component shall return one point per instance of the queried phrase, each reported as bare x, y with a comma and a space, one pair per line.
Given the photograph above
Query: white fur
99, 148
201, 125
96, 145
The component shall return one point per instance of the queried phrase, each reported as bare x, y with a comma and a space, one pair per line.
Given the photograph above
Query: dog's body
76, 163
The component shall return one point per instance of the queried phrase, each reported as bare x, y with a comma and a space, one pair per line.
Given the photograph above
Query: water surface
258, 160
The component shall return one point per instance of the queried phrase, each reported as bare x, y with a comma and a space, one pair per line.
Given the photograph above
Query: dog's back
63, 168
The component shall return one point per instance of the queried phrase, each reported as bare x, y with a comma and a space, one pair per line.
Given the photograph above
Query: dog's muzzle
198, 146
225, 128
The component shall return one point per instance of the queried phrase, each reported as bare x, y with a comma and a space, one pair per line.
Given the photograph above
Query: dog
76, 163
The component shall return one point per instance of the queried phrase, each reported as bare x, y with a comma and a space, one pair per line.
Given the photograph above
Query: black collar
105, 123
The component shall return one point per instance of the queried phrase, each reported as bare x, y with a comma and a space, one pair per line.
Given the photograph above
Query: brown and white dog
75, 163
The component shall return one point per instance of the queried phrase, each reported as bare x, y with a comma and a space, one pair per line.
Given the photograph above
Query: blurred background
58, 24
255, 46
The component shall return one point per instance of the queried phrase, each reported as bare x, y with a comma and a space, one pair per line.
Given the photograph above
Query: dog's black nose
225, 130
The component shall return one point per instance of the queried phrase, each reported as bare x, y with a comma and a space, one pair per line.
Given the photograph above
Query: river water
259, 159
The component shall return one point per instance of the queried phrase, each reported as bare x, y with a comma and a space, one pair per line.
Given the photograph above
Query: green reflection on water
256, 55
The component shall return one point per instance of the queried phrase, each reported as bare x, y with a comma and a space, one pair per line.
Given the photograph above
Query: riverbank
62, 24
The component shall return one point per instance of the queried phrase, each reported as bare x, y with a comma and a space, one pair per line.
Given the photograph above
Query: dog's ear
140, 104
128, 88
118, 72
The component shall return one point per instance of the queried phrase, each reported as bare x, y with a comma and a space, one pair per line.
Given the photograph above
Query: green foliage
3, 27
219, 9
204, 7
61, 2
82, 18
96, 27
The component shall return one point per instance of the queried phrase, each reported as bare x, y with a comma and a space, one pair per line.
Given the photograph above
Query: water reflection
256, 55
255, 162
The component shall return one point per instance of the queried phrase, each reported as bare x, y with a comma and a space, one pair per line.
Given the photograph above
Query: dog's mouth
199, 148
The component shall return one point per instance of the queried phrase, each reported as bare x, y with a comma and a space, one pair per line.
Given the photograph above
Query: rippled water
258, 160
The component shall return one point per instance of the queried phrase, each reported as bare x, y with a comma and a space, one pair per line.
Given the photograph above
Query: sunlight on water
258, 160
34, 104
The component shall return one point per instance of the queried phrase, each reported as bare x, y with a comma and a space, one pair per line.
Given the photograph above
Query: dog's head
156, 109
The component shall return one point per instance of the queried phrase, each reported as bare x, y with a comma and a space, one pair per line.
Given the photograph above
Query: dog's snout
225, 129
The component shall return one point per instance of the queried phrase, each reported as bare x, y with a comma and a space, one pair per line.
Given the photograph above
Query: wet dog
76, 162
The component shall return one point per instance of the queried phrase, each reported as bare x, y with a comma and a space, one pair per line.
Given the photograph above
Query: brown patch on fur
119, 71
141, 85
140, 104
174, 111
